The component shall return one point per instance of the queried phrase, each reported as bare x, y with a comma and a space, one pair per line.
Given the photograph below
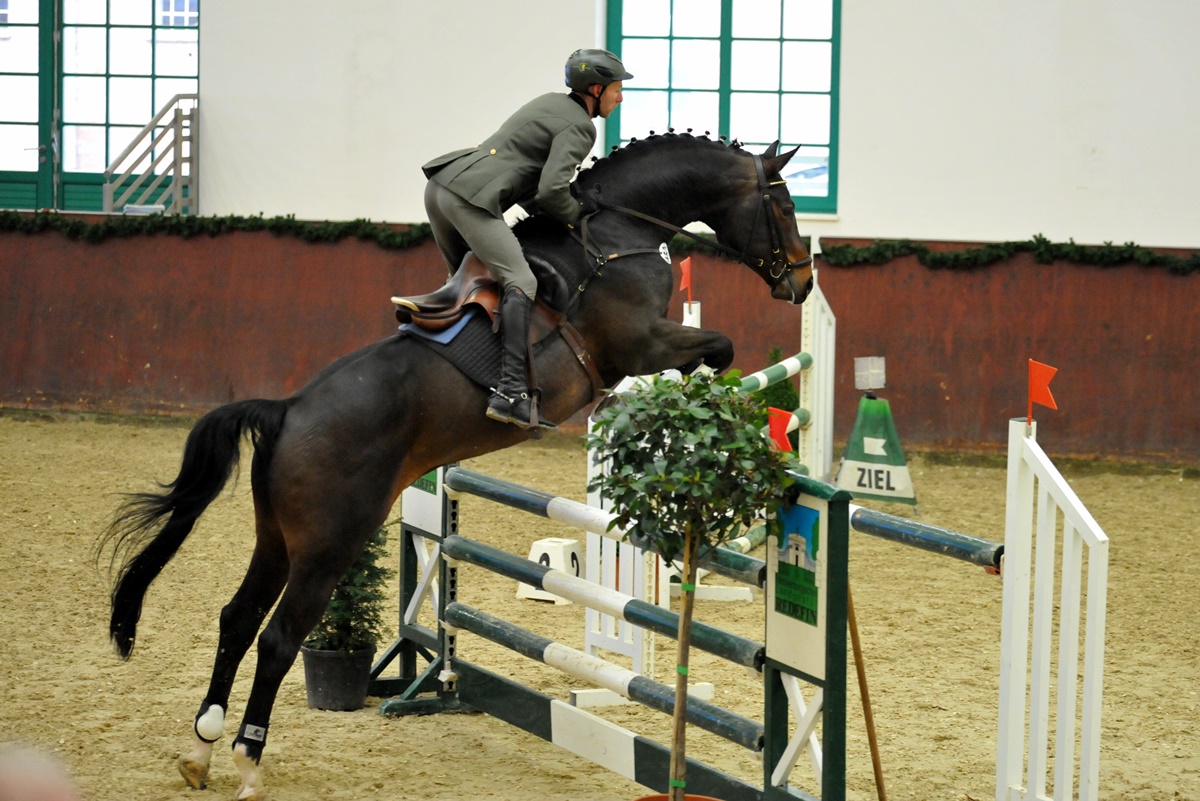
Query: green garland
387, 236
1044, 252
188, 226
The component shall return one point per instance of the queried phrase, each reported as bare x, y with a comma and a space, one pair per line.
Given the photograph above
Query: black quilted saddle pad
475, 351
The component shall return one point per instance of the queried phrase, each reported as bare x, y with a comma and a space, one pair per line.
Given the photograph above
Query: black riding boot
511, 401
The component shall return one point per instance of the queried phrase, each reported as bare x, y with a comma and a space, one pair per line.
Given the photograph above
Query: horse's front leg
668, 345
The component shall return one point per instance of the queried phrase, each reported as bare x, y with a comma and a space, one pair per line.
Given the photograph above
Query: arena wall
166, 325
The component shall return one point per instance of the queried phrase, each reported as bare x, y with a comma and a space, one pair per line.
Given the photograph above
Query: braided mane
618, 159
658, 167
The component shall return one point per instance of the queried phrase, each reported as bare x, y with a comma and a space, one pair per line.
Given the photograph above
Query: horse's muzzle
793, 288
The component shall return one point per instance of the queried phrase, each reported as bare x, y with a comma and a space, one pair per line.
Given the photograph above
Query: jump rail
776, 372
934, 539
723, 561
708, 716
736, 649
726, 561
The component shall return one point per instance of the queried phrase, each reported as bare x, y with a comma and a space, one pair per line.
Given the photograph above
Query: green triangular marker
873, 466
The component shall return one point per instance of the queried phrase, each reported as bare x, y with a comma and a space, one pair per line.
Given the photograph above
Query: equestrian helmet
586, 67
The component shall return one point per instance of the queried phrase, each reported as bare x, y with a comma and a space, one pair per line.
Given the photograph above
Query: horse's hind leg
240, 620
310, 583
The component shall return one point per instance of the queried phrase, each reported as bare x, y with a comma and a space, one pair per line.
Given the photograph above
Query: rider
529, 161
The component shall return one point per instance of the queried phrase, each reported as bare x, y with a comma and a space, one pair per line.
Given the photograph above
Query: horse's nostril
808, 285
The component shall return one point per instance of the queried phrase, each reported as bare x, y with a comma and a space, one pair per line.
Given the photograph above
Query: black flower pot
337, 680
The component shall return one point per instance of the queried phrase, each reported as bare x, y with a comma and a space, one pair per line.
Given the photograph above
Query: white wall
327, 111
991, 121
960, 119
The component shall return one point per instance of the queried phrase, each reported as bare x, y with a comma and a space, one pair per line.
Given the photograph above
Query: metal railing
168, 183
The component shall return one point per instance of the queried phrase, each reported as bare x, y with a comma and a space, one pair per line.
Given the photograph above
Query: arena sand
930, 628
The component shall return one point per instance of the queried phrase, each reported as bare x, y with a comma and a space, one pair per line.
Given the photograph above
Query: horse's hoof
193, 772
255, 795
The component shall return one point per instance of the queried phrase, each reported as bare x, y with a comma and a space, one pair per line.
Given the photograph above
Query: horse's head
760, 223
672, 180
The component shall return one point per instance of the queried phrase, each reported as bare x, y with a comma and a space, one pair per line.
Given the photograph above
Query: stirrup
533, 426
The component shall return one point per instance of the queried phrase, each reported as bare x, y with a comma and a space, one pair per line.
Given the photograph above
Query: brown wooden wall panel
1124, 340
164, 324
161, 324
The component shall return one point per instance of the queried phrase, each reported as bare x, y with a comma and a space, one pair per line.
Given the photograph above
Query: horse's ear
778, 162
771, 151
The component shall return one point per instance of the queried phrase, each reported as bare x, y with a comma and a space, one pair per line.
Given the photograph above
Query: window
750, 70
122, 61
79, 79
179, 13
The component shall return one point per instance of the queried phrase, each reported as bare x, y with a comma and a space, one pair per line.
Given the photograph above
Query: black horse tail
138, 530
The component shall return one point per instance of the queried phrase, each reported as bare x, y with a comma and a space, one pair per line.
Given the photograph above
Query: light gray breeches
459, 226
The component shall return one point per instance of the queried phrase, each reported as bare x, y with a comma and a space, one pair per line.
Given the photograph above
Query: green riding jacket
530, 161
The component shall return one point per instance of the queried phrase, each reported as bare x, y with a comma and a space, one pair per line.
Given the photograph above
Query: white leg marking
252, 788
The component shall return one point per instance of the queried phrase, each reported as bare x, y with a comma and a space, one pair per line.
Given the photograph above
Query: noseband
774, 231
780, 268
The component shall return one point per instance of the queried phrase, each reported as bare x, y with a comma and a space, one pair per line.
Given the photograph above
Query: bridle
780, 268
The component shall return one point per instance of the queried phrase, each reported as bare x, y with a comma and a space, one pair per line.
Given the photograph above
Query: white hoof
246, 794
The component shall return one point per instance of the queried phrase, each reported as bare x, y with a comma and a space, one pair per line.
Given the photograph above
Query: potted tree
339, 651
690, 463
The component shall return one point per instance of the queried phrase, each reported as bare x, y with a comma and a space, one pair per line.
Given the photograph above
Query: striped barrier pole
731, 564
934, 539
776, 372
736, 649
708, 716
747, 542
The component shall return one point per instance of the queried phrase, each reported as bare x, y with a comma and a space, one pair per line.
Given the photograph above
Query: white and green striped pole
776, 372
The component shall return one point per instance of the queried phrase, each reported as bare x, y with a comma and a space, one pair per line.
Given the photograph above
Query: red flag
1039, 387
686, 281
778, 427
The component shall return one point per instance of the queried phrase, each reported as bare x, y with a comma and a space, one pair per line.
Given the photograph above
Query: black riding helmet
586, 67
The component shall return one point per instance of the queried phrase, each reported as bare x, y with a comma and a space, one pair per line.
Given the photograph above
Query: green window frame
85, 77
747, 70
119, 67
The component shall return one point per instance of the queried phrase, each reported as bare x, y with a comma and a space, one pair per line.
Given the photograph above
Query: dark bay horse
330, 461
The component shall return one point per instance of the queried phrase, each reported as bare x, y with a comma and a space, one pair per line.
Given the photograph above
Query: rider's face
610, 99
